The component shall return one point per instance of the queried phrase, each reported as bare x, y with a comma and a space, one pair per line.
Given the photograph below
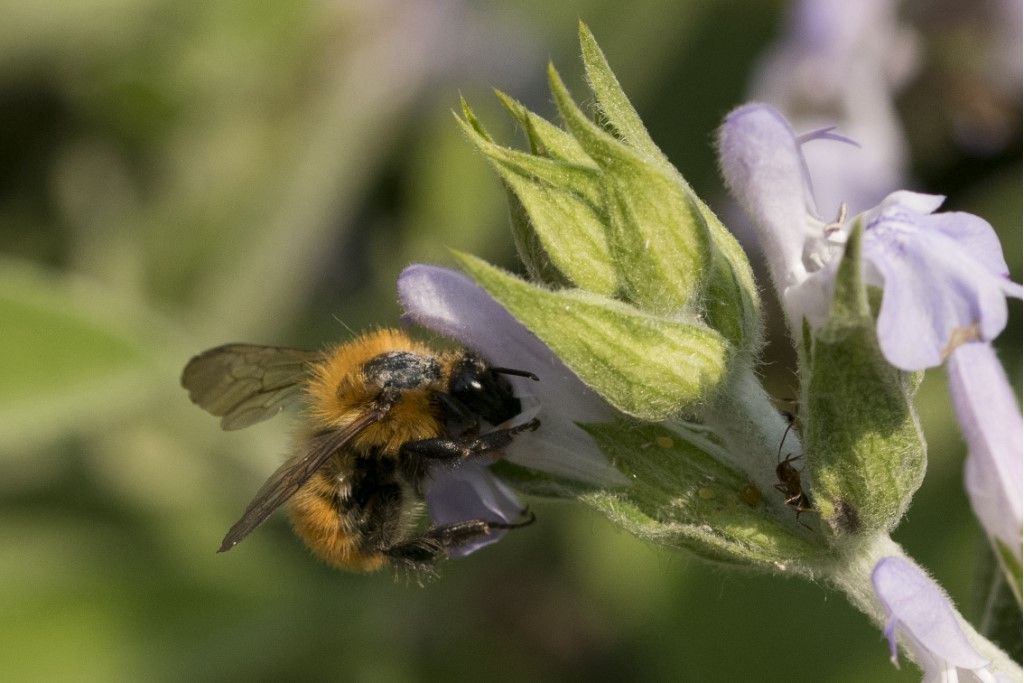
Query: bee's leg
466, 446
435, 543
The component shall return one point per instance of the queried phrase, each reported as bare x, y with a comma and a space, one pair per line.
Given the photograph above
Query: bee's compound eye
482, 391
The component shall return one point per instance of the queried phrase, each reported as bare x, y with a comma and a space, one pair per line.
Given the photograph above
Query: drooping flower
916, 608
451, 305
943, 276
990, 420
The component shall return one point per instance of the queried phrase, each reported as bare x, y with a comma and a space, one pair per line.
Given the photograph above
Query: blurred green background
174, 175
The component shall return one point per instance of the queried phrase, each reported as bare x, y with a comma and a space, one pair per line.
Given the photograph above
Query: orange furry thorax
338, 392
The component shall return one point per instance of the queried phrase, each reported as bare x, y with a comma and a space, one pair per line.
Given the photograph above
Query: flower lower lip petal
467, 492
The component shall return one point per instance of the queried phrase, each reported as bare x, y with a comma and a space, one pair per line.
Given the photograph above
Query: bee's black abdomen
401, 370
375, 502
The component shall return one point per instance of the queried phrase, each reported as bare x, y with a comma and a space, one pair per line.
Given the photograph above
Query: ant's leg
435, 543
466, 446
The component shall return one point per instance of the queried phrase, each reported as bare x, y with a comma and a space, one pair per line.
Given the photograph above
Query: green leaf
64, 345
682, 497
863, 444
646, 366
998, 595
659, 239
565, 208
615, 106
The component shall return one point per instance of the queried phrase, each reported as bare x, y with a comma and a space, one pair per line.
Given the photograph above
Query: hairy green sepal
647, 366
561, 203
599, 207
658, 237
862, 441
682, 497
731, 302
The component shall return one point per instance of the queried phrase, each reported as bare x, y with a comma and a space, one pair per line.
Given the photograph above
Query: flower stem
852, 575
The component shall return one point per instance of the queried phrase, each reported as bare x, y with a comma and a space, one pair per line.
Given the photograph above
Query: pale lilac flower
990, 420
918, 610
450, 304
943, 275
944, 286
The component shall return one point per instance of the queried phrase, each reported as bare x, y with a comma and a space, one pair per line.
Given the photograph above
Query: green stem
852, 575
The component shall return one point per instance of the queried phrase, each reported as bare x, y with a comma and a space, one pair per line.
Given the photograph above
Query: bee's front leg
466, 446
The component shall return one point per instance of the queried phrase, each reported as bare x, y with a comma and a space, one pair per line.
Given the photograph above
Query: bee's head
483, 389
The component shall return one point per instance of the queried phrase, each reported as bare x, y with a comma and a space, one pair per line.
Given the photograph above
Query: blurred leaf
65, 344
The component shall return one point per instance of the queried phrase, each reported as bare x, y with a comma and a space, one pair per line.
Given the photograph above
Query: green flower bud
602, 209
563, 206
862, 441
731, 303
658, 237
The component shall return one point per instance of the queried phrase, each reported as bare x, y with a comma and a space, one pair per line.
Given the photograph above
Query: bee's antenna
516, 373
343, 324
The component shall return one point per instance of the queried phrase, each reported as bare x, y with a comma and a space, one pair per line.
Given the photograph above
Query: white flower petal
974, 235
933, 292
913, 202
451, 304
991, 423
839, 63
917, 607
762, 166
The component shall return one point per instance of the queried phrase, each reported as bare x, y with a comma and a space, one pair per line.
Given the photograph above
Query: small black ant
789, 477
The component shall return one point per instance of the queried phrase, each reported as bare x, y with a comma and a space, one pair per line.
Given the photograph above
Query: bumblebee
381, 409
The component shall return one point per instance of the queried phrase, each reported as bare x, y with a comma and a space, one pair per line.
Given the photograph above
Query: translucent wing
290, 476
246, 383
